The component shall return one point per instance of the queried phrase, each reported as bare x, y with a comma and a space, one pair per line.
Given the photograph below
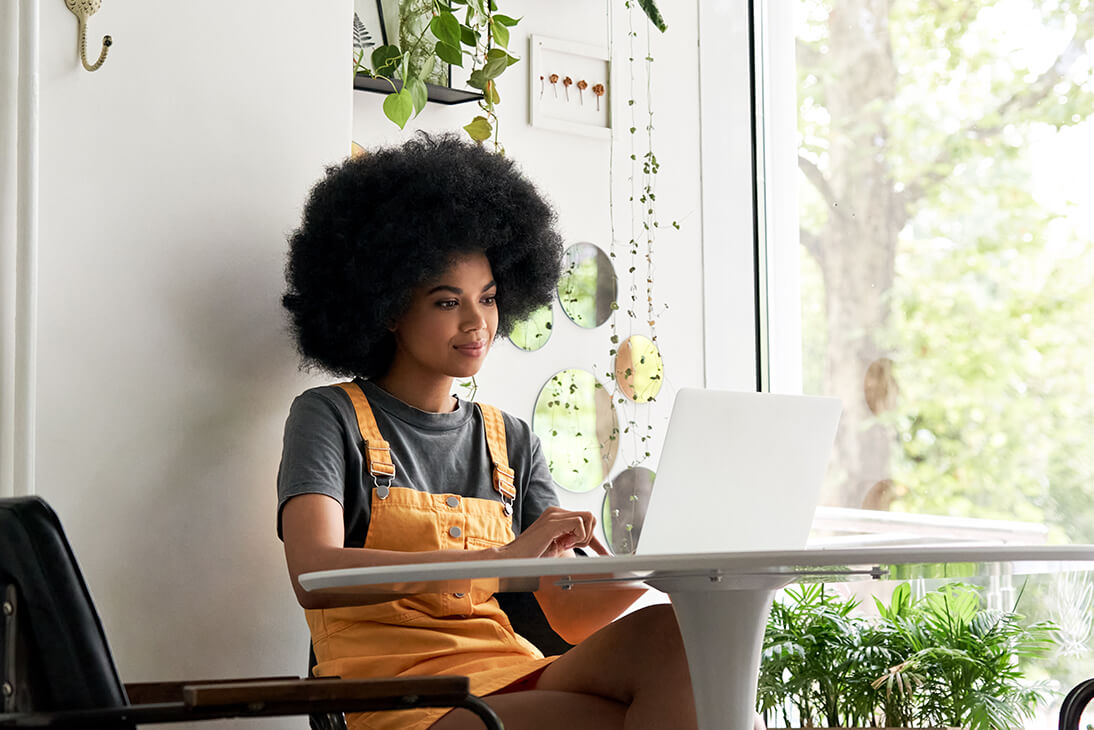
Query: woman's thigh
632, 673
543, 710
639, 653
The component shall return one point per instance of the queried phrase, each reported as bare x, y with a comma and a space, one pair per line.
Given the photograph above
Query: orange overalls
431, 634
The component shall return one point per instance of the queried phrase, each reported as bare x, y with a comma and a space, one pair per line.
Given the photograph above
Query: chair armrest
326, 695
146, 693
225, 699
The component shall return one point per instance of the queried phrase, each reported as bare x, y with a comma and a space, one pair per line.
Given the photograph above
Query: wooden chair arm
325, 695
226, 698
147, 693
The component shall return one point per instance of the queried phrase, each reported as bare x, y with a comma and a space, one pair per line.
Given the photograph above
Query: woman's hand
555, 532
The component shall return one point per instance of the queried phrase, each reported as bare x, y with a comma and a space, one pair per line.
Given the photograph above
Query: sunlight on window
946, 214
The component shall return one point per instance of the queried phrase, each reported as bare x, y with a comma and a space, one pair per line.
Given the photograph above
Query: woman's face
450, 324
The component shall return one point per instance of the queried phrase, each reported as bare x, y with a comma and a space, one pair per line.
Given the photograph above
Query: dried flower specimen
599, 90
581, 86
566, 82
553, 78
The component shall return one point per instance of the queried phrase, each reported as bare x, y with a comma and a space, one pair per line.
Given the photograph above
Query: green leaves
449, 54
386, 60
446, 28
483, 35
449, 37
497, 61
650, 8
479, 129
398, 107
418, 95
939, 660
499, 26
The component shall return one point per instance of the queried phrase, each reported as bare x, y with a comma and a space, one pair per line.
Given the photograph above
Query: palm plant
942, 660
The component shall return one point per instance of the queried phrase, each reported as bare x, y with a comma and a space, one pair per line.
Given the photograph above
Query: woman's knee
657, 629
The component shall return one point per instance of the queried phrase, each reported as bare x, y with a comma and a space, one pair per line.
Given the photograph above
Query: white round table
721, 599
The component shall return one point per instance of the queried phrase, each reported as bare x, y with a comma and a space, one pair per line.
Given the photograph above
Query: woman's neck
433, 395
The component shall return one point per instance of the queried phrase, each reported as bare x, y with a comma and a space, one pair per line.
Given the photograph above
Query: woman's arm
314, 534
576, 615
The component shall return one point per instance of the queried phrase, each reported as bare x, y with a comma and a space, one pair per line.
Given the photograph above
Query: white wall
169, 180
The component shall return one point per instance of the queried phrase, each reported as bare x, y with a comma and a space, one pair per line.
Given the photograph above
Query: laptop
738, 471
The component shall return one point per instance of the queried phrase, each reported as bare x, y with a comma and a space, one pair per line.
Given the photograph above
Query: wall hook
84, 9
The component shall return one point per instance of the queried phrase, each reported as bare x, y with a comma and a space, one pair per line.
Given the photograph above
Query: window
927, 248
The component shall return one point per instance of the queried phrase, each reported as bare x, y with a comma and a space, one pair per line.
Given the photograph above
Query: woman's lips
473, 349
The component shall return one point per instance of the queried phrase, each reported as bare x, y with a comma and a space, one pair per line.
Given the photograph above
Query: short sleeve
313, 458
541, 490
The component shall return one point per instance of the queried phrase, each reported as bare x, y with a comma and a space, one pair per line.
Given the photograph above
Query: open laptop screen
739, 471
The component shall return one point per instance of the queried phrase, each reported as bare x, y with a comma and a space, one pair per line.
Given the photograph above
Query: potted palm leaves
943, 660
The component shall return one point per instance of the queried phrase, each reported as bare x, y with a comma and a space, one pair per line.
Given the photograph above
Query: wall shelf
439, 94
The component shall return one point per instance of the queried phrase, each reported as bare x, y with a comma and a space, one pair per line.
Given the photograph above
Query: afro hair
380, 225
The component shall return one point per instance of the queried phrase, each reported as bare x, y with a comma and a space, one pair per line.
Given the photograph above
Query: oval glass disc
587, 287
639, 370
625, 502
577, 424
532, 333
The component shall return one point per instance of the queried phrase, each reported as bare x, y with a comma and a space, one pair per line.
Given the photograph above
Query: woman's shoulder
323, 403
515, 427
520, 439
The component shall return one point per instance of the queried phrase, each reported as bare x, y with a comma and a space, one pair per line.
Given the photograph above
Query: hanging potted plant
943, 660
463, 33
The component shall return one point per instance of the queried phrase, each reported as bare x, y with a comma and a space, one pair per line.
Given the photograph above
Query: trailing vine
641, 308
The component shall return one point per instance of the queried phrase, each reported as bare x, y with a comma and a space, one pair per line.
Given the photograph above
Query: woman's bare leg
538, 709
632, 675
639, 661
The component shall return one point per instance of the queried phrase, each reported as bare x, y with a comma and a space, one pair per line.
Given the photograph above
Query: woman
408, 263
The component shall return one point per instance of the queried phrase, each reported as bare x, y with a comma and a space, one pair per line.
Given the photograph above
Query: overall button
453, 501
454, 531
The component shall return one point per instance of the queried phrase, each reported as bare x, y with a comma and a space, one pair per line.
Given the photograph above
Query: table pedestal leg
723, 633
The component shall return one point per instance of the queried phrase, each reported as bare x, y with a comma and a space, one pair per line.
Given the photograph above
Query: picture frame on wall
368, 29
570, 87
405, 21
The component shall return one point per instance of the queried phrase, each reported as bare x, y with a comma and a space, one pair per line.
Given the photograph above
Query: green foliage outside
943, 660
938, 234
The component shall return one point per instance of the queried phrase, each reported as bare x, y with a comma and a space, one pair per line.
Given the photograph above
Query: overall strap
504, 476
377, 452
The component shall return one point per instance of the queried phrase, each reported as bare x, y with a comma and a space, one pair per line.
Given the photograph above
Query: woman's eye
490, 300
448, 304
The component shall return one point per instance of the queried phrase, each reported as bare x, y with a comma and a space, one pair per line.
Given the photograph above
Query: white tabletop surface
834, 562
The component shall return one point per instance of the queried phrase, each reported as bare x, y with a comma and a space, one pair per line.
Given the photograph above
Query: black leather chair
56, 669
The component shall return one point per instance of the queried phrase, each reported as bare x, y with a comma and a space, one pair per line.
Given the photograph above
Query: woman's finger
597, 546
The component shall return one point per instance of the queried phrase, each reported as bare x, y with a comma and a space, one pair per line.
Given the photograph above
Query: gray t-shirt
442, 453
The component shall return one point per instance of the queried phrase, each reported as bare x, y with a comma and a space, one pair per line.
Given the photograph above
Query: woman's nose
474, 319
